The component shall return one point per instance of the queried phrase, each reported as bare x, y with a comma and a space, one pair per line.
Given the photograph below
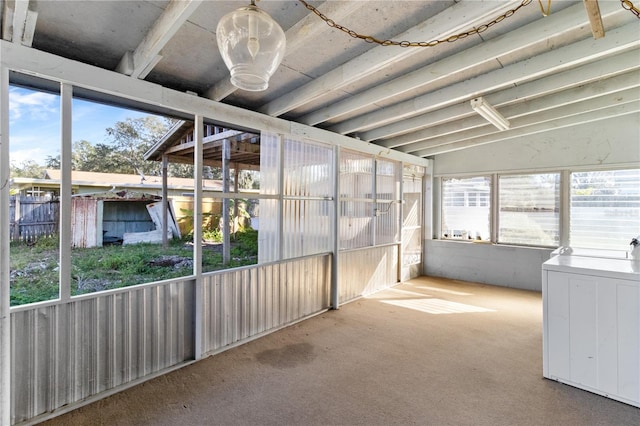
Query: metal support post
5, 314
335, 259
66, 99
226, 177
197, 236
165, 201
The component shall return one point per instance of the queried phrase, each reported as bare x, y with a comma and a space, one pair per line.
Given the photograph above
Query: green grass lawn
34, 268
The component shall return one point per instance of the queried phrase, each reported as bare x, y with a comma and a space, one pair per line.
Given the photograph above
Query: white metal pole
5, 297
236, 178
280, 219
565, 208
226, 177
400, 219
197, 236
66, 99
165, 201
335, 261
374, 205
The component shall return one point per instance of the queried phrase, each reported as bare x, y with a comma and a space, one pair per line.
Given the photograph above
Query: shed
104, 218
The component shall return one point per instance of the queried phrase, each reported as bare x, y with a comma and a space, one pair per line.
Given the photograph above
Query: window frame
565, 176
441, 206
498, 205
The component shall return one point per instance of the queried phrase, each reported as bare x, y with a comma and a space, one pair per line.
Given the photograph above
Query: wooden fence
32, 218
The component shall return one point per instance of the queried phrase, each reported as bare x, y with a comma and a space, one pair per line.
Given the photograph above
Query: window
605, 209
466, 208
529, 210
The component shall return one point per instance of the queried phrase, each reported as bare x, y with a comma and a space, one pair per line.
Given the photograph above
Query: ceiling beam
306, 29
539, 31
7, 21
451, 21
29, 28
56, 68
526, 110
20, 9
19, 23
590, 111
415, 128
521, 38
582, 52
595, 19
141, 61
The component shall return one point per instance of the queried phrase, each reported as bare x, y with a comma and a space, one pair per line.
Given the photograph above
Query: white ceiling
542, 73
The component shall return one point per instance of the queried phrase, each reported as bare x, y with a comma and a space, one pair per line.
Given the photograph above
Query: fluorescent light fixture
489, 113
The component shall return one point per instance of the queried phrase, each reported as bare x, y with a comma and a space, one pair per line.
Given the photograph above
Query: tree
129, 141
26, 169
124, 153
132, 138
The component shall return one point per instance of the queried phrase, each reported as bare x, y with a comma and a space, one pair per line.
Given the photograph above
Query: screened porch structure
355, 143
339, 220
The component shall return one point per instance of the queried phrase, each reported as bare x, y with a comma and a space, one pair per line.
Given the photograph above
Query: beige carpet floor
427, 352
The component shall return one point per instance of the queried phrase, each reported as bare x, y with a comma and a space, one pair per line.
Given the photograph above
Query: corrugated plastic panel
365, 271
306, 227
269, 163
356, 187
244, 302
268, 243
306, 188
268, 234
64, 353
308, 176
412, 181
308, 169
356, 175
355, 224
387, 188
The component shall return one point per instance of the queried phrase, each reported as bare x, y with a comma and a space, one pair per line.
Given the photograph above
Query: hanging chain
450, 39
626, 4
542, 9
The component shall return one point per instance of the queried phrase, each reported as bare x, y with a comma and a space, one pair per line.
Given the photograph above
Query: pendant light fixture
252, 46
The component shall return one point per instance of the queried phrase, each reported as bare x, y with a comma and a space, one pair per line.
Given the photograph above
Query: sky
34, 124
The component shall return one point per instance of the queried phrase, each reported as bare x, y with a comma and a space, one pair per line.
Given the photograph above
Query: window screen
529, 211
605, 209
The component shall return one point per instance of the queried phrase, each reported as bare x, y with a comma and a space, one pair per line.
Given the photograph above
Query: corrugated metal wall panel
67, 352
365, 271
243, 303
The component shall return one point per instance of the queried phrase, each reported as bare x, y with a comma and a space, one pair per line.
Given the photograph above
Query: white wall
605, 144
503, 265
613, 142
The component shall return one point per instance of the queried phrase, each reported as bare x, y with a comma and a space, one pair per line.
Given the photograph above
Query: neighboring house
94, 182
